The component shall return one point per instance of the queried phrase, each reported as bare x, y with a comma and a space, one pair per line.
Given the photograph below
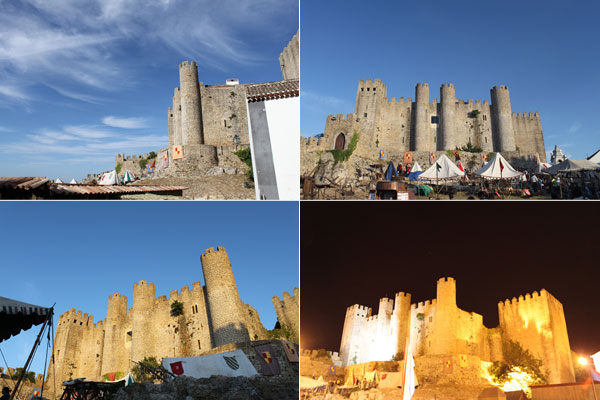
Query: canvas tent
109, 178
498, 168
308, 383
595, 158
442, 169
390, 172
16, 316
415, 171
572, 166
58, 181
540, 167
128, 177
73, 182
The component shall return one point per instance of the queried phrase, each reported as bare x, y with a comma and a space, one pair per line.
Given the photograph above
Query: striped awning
16, 316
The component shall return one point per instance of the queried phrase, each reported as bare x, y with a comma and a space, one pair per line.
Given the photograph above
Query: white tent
58, 181
109, 178
595, 158
540, 167
128, 177
498, 168
415, 171
308, 383
572, 166
442, 169
73, 182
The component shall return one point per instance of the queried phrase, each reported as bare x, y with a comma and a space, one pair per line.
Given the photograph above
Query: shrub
140, 376
280, 333
343, 155
118, 168
246, 156
151, 155
176, 308
143, 163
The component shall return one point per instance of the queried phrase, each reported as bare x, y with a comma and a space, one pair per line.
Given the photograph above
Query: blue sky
82, 80
545, 51
76, 254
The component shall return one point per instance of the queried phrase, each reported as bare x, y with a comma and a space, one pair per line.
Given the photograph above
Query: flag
438, 167
177, 368
332, 369
501, 166
463, 362
269, 364
112, 376
408, 158
151, 167
381, 154
460, 166
177, 152
484, 157
35, 393
290, 351
432, 156
456, 155
165, 157
408, 386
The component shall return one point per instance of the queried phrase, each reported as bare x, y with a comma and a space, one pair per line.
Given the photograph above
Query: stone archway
340, 142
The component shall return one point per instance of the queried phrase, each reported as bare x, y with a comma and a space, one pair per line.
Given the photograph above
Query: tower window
199, 347
374, 89
365, 115
484, 117
430, 319
435, 119
362, 89
225, 123
368, 89
486, 140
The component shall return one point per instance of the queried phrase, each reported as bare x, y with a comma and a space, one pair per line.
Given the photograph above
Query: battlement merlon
141, 284
188, 64
212, 252
357, 310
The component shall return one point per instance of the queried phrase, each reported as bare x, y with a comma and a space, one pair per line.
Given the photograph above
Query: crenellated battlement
446, 279
186, 63
143, 284
340, 117
447, 85
535, 296
500, 87
423, 85
402, 294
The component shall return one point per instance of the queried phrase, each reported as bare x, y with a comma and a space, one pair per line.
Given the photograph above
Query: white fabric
390, 379
492, 169
595, 158
448, 170
58, 181
73, 181
540, 167
308, 383
128, 177
409, 379
416, 167
214, 364
109, 178
572, 165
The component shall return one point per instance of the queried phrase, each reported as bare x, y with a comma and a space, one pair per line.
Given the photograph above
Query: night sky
357, 252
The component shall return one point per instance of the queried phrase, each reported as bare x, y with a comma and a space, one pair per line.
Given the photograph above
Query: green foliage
474, 114
176, 308
118, 168
137, 373
470, 148
282, 333
398, 356
343, 155
322, 353
29, 376
246, 156
420, 316
517, 148
151, 155
143, 163
450, 154
517, 359
490, 155
118, 375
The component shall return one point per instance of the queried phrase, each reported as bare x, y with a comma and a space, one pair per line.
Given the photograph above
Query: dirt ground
218, 187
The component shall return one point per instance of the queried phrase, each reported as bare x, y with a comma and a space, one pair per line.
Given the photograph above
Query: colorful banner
164, 155
232, 363
290, 351
408, 158
177, 152
463, 361
268, 363
431, 157
381, 154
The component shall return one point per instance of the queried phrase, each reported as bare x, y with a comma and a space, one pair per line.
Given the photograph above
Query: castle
401, 125
439, 328
213, 315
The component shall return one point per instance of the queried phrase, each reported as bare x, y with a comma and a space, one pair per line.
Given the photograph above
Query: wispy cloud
576, 126
126, 123
320, 99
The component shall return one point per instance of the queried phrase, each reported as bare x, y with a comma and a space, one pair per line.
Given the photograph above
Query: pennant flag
151, 167
332, 369
460, 166
177, 152
290, 351
269, 364
501, 166
408, 386
408, 158
165, 157
456, 155
177, 368
438, 167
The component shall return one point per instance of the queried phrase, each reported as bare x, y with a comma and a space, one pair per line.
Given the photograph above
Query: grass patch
343, 155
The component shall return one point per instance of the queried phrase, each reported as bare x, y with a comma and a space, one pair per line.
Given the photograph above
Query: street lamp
584, 362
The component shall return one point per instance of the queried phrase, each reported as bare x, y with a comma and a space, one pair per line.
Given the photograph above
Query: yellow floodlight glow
583, 361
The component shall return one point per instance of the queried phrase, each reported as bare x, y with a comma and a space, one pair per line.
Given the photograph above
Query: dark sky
357, 252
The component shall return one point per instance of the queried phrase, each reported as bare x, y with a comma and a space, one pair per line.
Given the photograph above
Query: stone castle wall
289, 59
439, 328
287, 312
86, 349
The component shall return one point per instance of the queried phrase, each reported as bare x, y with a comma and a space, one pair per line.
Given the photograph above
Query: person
5, 393
399, 168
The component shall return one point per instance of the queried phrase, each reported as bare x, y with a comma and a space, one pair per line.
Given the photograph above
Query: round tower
142, 323
423, 140
176, 118
502, 117
448, 105
224, 304
401, 320
191, 121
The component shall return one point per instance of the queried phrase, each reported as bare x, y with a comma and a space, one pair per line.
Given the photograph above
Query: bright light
583, 361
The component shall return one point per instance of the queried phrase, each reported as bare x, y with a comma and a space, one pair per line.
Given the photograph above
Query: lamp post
584, 361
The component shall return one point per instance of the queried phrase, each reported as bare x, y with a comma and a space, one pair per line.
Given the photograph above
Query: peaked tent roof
109, 178
447, 170
416, 167
390, 172
16, 316
540, 167
73, 181
571, 166
595, 157
498, 168
58, 181
415, 171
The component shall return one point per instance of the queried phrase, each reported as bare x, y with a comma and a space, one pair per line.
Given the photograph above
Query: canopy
390, 172
498, 168
16, 316
595, 158
109, 178
128, 177
540, 167
73, 181
308, 383
442, 169
572, 166
415, 171
58, 181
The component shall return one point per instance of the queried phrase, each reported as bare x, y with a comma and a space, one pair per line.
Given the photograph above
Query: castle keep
213, 315
439, 328
402, 125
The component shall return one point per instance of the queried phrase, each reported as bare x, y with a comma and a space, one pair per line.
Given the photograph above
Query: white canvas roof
416, 167
540, 167
571, 166
498, 168
73, 181
109, 178
447, 170
595, 158
58, 181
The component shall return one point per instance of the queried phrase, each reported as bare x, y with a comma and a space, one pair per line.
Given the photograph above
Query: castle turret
423, 138
191, 121
444, 323
142, 325
224, 304
401, 320
116, 337
368, 95
287, 311
176, 118
352, 335
289, 59
448, 106
502, 119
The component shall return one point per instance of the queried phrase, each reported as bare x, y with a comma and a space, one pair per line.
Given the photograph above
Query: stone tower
448, 106
502, 117
423, 138
287, 311
191, 120
444, 325
401, 319
289, 59
142, 321
225, 308
116, 335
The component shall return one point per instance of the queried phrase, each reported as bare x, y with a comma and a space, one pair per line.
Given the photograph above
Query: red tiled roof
272, 90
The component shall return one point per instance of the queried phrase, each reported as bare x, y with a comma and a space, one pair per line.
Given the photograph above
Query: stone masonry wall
289, 59
287, 312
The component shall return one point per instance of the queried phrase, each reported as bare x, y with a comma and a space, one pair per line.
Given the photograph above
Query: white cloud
576, 126
88, 132
126, 123
13, 92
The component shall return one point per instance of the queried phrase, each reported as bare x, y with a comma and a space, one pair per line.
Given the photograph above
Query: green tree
151, 155
29, 376
343, 155
139, 375
176, 308
143, 163
118, 168
246, 156
280, 333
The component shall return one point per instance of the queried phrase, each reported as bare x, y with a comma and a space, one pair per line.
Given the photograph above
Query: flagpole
404, 364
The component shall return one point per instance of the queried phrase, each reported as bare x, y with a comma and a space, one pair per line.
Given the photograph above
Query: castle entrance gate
340, 142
